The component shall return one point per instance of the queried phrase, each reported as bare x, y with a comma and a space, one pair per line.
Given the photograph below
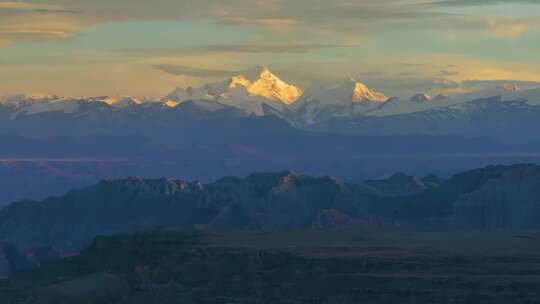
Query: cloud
394, 38
192, 72
507, 30
25, 7
250, 47
482, 84
462, 3
373, 74
337, 22
16, 6
55, 11
337, 19
25, 21
472, 86
47, 27
115, 79
262, 47
405, 86
5, 42
414, 64
294, 19
447, 73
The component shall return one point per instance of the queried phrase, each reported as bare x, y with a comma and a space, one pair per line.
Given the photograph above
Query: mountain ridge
349, 107
258, 96
281, 200
259, 92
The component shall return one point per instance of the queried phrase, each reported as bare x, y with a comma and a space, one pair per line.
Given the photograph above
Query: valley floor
356, 265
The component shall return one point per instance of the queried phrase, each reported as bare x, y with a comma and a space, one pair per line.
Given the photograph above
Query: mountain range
470, 238
259, 92
491, 198
257, 121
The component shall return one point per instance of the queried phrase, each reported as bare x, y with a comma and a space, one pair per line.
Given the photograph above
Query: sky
147, 48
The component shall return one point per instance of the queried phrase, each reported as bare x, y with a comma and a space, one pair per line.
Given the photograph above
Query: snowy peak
257, 91
239, 82
508, 87
421, 97
181, 94
37, 106
258, 85
260, 81
359, 92
349, 91
363, 93
170, 103
18, 101
348, 99
257, 73
122, 102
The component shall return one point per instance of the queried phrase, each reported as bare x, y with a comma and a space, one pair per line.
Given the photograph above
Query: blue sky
135, 47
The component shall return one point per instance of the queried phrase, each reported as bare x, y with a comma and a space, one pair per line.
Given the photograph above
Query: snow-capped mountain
19, 101
424, 102
361, 93
180, 95
491, 118
421, 97
56, 105
418, 102
121, 102
27, 105
239, 97
348, 92
257, 91
22, 104
261, 82
344, 100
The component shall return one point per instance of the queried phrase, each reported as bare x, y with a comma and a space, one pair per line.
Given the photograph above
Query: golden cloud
294, 18
38, 26
5, 42
17, 5
339, 20
507, 30
25, 21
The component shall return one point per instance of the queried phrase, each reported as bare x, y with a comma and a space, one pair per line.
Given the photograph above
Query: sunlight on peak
360, 92
260, 81
171, 103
